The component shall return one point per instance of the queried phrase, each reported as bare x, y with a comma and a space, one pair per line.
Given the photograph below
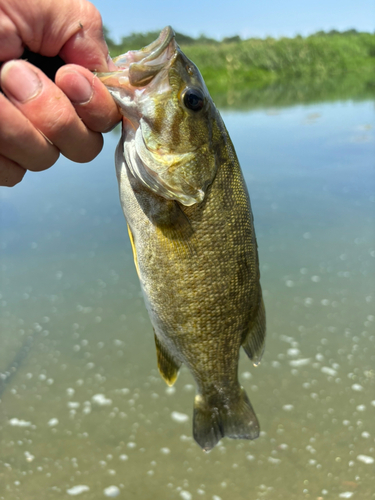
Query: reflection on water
348, 86
84, 412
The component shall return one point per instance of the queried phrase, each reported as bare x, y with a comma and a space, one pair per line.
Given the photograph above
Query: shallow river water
83, 410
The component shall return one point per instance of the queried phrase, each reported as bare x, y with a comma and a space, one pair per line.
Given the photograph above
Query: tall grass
235, 69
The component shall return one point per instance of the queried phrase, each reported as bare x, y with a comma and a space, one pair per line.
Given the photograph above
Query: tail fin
225, 417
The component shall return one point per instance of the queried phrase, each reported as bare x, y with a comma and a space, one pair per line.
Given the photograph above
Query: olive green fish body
195, 251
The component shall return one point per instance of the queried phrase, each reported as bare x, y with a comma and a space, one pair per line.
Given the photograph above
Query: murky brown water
83, 410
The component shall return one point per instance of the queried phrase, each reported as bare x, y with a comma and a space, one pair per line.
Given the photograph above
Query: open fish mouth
152, 88
137, 68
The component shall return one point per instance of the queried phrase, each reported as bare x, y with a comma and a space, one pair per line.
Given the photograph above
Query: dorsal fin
254, 341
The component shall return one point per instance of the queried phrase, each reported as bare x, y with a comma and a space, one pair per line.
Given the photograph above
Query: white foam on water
73, 404
185, 495
285, 338
328, 371
346, 494
101, 400
111, 491
357, 387
366, 459
53, 422
15, 422
179, 417
295, 363
288, 407
29, 457
77, 490
293, 352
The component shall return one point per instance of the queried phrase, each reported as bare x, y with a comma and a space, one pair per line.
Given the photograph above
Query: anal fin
167, 364
254, 341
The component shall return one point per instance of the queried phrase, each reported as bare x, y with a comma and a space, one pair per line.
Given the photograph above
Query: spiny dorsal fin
167, 364
254, 342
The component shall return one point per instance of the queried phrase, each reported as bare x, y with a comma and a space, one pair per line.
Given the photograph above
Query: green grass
243, 72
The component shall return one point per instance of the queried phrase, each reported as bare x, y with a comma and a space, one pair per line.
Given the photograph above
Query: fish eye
193, 99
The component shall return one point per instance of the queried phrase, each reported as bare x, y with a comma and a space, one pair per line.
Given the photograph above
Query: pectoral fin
176, 227
167, 364
254, 342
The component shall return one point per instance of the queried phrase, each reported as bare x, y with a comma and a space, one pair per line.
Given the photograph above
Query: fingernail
19, 80
78, 89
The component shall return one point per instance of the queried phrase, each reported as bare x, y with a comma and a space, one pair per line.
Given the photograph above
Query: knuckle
94, 16
13, 47
62, 118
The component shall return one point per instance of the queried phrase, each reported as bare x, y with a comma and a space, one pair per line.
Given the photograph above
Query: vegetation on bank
299, 69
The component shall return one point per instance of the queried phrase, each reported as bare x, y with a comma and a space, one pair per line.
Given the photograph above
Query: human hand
41, 119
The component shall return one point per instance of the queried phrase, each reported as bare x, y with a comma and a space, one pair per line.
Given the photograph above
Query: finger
10, 172
21, 142
49, 110
91, 99
86, 46
10, 43
67, 27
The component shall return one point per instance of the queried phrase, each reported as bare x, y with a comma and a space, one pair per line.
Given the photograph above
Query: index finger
67, 28
96, 108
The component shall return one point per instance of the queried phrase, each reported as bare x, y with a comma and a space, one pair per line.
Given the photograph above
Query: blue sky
247, 18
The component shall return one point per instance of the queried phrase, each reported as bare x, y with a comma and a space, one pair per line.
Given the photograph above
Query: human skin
39, 118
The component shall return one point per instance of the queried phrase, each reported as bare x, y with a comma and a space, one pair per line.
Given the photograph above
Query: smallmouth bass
191, 229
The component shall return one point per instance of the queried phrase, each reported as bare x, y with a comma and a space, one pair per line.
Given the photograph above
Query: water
83, 410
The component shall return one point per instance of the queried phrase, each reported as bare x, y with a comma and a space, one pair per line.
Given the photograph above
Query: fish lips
138, 68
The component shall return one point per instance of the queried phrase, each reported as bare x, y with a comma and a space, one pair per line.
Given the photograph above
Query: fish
191, 229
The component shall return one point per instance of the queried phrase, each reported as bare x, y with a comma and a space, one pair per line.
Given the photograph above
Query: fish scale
191, 227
